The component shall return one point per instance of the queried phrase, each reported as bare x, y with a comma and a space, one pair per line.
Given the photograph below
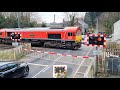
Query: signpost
15, 44
97, 40
97, 52
96, 63
59, 71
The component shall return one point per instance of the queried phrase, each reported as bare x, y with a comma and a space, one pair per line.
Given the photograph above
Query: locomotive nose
78, 38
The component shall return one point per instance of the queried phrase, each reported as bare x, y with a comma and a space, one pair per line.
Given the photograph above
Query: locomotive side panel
34, 35
2, 34
4, 37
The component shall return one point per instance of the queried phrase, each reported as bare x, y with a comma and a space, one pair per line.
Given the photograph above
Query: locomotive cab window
0, 33
70, 34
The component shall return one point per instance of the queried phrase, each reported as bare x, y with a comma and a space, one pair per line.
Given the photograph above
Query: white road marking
38, 73
61, 61
82, 62
85, 65
47, 67
81, 72
38, 51
51, 64
55, 61
37, 55
40, 70
37, 64
86, 72
58, 54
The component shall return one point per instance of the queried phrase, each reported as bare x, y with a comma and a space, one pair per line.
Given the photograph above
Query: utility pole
97, 27
54, 18
18, 19
96, 72
96, 50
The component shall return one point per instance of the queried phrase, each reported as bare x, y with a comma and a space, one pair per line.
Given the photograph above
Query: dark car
100, 32
109, 36
13, 69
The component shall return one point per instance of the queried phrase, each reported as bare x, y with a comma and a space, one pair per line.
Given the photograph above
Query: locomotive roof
37, 29
29, 29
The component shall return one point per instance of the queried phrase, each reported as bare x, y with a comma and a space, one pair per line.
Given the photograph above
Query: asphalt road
41, 65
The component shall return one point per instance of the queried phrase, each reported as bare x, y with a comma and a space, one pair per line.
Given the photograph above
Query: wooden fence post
14, 54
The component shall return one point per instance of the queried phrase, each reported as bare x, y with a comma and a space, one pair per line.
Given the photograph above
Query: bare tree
71, 16
28, 16
26, 19
35, 16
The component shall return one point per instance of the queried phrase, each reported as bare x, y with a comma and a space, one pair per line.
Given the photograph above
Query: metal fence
111, 55
112, 48
114, 65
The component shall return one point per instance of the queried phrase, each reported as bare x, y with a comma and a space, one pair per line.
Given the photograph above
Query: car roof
3, 63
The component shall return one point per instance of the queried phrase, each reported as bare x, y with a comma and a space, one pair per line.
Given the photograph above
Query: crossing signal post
96, 40
15, 38
96, 64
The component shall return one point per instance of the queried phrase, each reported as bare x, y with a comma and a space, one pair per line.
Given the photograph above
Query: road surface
41, 66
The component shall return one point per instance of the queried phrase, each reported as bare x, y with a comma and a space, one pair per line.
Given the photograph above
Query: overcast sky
48, 17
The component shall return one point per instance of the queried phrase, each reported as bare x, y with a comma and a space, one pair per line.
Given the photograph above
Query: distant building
78, 22
82, 24
54, 24
65, 23
116, 31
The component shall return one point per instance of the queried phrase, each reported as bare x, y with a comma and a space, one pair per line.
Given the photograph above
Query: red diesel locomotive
69, 37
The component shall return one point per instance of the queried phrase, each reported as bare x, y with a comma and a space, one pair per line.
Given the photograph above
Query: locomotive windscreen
54, 36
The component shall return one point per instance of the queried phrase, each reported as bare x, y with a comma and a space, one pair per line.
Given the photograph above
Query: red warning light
99, 39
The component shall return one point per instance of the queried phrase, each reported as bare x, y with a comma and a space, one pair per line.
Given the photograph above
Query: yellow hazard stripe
78, 38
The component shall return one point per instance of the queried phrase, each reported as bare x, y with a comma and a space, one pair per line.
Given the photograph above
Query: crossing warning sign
60, 71
99, 40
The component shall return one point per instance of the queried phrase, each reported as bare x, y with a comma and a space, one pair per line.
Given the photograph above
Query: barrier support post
96, 72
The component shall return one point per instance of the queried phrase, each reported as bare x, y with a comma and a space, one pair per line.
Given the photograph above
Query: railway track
4, 46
